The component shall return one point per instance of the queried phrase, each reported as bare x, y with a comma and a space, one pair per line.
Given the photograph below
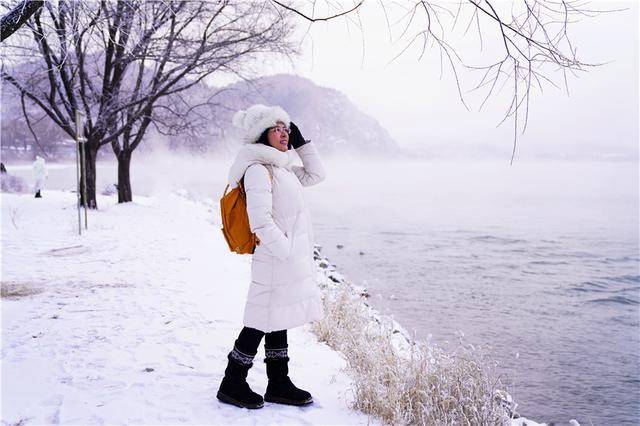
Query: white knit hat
257, 118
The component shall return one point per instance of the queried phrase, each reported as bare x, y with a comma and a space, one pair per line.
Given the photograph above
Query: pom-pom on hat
257, 118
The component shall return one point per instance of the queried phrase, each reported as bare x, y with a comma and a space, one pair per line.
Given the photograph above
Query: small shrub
17, 290
10, 183
408, 382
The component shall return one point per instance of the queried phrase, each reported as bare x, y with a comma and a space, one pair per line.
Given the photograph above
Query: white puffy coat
39, 173
283, 292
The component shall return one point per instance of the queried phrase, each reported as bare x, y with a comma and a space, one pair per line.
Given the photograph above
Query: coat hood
258, 154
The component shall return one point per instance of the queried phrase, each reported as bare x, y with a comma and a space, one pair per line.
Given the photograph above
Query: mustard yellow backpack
235, 220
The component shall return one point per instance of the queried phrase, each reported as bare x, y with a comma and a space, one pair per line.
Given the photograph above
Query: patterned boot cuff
275, 353
241, 357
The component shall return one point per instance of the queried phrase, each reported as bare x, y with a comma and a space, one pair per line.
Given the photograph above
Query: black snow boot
234, 388
280, 389
38, 195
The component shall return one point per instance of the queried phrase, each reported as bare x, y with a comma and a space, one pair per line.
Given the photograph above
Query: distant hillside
324, 115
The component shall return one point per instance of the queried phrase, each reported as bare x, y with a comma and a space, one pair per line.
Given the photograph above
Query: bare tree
113, 62
197, 39
190, 118
524, 44
16, 17
26, 130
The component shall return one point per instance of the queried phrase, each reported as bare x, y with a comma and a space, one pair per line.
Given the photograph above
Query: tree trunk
89, 168
124, 178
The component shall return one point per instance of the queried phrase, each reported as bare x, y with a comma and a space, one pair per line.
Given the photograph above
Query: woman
283, 293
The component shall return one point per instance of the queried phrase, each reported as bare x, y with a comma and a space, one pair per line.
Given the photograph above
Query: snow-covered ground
132, 321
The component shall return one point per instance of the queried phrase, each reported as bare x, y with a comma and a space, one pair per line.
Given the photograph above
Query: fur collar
258, 154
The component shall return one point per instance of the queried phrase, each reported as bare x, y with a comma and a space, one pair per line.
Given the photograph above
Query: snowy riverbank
131, 322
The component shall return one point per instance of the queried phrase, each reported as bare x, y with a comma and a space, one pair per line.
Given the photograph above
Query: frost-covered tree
115, 61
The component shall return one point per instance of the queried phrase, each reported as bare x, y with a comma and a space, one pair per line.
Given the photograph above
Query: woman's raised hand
295, 137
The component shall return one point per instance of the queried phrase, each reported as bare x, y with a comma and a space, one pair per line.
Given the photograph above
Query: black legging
249, 340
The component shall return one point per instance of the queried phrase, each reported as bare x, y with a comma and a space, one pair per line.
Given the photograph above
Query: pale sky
417, 107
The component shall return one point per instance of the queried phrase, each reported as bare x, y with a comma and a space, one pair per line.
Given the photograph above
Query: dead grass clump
17, 290
414, 383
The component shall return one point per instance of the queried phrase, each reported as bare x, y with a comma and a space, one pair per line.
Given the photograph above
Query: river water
539, 261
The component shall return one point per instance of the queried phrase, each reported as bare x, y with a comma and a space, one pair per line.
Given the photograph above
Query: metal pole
84, 180
78, 170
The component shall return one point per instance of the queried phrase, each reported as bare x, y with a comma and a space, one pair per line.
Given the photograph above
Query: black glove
295, 137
